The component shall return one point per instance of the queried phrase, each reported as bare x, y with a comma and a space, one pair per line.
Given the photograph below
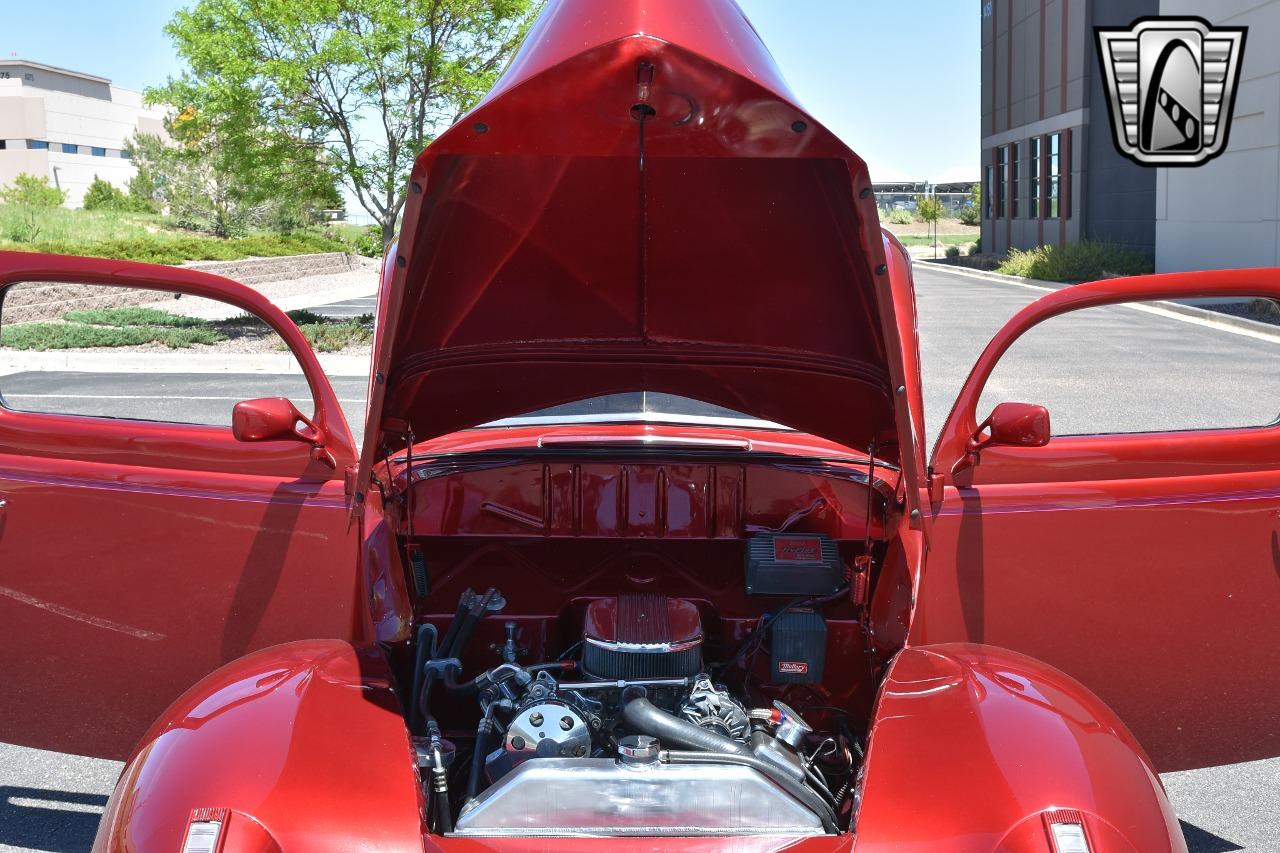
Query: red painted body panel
1143, 565
540, 264
971, 744
171, 547
642, 498
308, 739
760, 294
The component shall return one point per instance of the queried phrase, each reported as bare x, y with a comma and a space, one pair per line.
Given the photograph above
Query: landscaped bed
142, 329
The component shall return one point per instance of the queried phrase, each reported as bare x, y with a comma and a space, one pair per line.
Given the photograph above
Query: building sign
1171, 86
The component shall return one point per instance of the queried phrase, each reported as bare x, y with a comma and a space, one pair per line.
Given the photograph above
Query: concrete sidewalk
108, 361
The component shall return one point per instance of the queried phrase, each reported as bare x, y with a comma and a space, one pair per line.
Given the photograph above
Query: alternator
713, 708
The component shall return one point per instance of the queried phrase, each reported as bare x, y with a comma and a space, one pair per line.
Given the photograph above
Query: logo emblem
1171, 86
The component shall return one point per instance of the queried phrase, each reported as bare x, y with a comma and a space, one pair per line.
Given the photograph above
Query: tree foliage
32, 191
972, 212
928, 208
370, 82
103, 195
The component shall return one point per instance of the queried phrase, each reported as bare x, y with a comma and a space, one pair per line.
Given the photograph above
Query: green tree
143, 192
928, 208
370, 82
102, 195
972, 213
32, 191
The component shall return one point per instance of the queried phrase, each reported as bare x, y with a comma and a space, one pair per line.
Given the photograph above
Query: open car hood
556, 248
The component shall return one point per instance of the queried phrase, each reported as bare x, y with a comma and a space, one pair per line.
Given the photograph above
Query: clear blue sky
899, 81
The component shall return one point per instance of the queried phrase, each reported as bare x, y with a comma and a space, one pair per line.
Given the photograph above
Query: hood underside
638, 205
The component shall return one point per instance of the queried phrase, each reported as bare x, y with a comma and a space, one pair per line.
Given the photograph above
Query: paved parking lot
50, 801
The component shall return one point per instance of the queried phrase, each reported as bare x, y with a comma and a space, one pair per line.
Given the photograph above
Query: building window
1015, 171
68, 148
1055, 176
986, 195
98, 152
39, 144
1033, 180
1002, 180
124, 153
3, 144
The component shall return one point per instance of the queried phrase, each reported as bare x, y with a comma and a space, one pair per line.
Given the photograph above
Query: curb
163, 362
1205, 316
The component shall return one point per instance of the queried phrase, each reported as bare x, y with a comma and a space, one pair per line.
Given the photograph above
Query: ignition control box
798, 647
793, 564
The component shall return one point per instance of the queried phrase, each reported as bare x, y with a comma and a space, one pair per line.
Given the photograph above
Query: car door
138, 555
1145, 563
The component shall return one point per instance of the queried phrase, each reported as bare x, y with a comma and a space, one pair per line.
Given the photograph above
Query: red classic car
582, 590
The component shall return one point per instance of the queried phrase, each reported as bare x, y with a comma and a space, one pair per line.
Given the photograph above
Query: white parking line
1144, 307
76, 615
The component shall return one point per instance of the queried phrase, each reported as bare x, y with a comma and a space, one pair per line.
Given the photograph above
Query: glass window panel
1140, 367
136, 354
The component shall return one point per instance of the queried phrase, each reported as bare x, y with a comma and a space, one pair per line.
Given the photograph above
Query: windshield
637, 407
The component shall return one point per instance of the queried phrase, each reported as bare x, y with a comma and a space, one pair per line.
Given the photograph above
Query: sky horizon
898, 82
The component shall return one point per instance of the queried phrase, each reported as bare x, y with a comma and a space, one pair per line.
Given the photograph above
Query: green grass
132, 317
20, 224
112, 327
151, 238
943, 239
47, 336
331, 336
175, 249
1085, 261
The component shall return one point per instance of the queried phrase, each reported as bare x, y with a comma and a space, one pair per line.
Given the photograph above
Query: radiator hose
649, 719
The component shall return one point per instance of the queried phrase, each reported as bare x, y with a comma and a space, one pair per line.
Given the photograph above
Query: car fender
299, 746
976, 748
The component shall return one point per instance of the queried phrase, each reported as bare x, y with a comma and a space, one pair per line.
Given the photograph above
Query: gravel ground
279, 292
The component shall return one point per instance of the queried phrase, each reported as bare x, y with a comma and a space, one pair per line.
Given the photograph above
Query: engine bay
663, 713
610, 641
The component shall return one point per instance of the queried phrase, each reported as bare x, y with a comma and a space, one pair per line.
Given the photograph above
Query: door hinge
349, 479
936, 484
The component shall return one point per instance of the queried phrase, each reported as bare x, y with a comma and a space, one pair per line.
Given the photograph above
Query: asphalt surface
1120, 369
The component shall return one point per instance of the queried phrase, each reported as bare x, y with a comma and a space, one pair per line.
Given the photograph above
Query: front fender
972, 745
303, 744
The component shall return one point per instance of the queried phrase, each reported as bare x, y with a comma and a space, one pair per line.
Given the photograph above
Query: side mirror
276, 418
1008, 425
1013, 425
269, 419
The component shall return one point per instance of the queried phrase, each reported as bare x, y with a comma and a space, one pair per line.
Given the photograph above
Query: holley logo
1171, 86
793, 667
797, 550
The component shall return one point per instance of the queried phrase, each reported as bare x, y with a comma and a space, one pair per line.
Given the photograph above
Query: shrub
1084, 261
32, 191
102, 195
976, 247
47, 336
901, 216
165, 249
368, 242
972, 213
132, 317
953, 251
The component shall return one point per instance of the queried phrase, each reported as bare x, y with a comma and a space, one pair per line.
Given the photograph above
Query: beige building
68, 126
1226, 213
